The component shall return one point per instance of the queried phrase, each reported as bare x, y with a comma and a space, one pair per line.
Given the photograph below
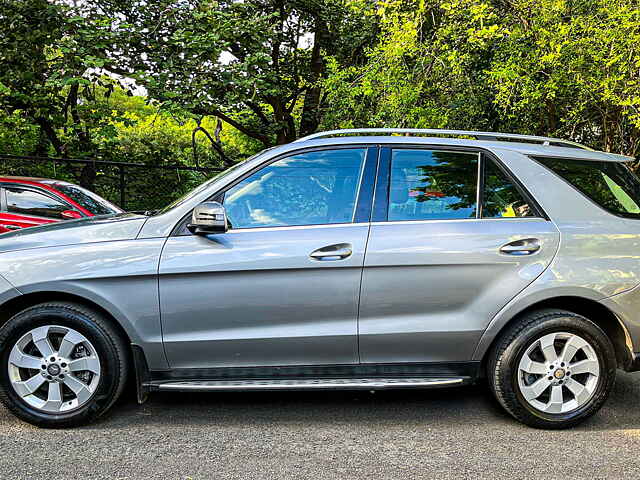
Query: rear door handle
526, 246
339, 251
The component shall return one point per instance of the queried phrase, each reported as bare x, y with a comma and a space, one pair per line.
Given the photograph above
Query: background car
27, 202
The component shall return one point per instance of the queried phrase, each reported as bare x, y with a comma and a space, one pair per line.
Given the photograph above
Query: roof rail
491, 136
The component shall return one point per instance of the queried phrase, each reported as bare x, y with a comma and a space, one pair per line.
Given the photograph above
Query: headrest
399, 188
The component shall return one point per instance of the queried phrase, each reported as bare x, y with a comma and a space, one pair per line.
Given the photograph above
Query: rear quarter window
612, 185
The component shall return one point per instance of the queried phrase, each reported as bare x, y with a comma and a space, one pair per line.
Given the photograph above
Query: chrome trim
297, 227
492, 136
440, 220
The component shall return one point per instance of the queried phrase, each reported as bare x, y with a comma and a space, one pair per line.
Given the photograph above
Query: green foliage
248, 63
571, 68
424, 72
551, 67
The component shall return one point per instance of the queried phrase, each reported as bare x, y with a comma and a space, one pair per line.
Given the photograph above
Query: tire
519, 352
99, 347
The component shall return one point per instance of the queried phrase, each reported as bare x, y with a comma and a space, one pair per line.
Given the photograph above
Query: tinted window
501, 197
610, 184
28, 202
427, 185
308, 189
87, 199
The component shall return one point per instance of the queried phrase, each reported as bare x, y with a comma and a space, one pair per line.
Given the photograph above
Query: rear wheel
552, 369
61, 365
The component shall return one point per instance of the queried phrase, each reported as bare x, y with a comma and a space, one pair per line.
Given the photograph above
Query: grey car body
432, 294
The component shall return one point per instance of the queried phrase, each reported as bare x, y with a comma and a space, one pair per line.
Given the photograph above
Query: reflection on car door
438, 267
282, 286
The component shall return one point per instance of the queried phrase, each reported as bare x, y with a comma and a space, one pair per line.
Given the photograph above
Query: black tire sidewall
569, 324
56, 315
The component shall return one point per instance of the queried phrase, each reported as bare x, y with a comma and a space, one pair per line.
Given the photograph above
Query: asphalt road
453, 433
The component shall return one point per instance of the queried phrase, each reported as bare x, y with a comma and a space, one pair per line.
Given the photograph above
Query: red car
27, 202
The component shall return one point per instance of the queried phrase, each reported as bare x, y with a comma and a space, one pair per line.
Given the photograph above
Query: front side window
432, 185
28, 202
501, 198
612, 185
312, 188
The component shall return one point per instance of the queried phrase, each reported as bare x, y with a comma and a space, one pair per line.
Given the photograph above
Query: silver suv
353, 259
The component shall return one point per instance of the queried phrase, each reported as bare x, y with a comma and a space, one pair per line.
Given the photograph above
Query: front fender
121, 277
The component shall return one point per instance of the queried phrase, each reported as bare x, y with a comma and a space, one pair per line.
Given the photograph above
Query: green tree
257, 65
550, 67
49, 76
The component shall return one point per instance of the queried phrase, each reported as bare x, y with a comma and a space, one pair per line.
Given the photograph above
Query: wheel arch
595, 311
21, 302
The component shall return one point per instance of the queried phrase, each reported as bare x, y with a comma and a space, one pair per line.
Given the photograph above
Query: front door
453, 240
281, 287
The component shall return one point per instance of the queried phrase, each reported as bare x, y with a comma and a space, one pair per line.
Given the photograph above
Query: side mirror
70, 214
207, 218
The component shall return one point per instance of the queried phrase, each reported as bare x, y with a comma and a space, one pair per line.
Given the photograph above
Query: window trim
33, 189
381, 199
368, 169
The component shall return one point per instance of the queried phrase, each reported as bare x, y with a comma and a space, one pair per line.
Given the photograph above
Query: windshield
87, 199
206, 184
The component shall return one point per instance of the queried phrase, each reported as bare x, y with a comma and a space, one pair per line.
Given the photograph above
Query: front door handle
339, 251
526, 246
11, 227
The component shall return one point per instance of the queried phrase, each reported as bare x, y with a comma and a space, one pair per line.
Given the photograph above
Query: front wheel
61, 365
552, 369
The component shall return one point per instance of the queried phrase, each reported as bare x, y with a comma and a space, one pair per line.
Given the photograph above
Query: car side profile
28, 202
350, 259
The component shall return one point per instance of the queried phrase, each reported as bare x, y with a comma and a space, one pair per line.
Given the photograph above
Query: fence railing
132, 186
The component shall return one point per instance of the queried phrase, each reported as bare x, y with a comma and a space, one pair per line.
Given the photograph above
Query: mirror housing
208, 218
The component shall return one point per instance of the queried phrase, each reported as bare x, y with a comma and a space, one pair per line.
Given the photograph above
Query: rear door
453, 239
24, 207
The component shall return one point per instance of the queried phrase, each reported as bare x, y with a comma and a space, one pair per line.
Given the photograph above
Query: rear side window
432, 185
502, 199
612, 185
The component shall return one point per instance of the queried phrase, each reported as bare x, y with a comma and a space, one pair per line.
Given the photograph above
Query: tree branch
214, 145
255, 108
264, 139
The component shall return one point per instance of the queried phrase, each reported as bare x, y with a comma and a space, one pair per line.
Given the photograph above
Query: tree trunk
311, 110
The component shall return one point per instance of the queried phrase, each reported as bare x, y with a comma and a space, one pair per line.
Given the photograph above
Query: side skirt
311, 377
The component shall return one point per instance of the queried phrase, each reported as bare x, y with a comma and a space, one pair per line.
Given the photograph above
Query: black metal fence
132, 186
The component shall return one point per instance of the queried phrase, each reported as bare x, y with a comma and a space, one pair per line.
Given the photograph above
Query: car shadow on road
462, 407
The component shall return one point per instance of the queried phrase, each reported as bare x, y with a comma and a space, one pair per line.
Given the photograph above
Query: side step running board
307, 384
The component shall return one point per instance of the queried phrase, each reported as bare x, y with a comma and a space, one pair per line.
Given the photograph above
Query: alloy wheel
54, 369
558, 373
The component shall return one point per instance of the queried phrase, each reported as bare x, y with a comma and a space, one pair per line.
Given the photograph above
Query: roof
46, 181
523, 147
